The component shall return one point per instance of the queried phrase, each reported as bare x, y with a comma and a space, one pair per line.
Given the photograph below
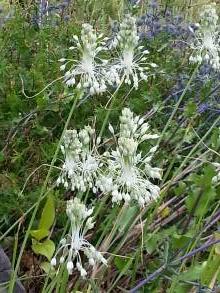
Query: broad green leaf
45, 248
39, 234
48, 214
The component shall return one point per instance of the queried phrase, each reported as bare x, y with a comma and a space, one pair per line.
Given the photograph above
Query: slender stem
110, 107
177, 104
43, 189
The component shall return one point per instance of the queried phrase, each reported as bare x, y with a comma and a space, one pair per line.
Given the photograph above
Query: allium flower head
206, 45
128, 173
131, 63
75, 243
81, 159
88, 73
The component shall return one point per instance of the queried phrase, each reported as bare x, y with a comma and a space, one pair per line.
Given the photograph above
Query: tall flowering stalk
131, 62
75, 243
206, 44
128, 173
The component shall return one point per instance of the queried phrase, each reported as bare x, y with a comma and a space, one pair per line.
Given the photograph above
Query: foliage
161, 240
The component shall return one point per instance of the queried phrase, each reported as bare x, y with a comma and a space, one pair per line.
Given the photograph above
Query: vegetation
110, 145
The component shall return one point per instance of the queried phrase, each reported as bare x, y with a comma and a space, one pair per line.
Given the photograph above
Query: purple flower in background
157, 21
205, 85
203, 107
51, 13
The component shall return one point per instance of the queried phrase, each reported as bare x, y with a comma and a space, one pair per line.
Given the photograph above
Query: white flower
82, 161
127, 175
131, 63
206, 44
74, 244
216, 178
53, 262
88, 73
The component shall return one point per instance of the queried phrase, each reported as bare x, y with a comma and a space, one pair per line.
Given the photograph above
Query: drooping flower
131, 63
88, 73
82, 161
206, 44
128, 172
75, 243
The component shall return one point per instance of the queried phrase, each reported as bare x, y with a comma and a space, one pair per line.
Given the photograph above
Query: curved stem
177, 104
110, 107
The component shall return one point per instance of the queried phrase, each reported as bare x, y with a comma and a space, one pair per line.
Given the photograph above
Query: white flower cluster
88, 72
206, 44
93, 73
127, 173
82, 162
75, 243
131, 62
122, 172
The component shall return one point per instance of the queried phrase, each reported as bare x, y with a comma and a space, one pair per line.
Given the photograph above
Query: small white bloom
62, 259
90, 72
82, 160
62, 67
127, 175
75, 243
111, 129
53, 262
206, 45
69, 267
216, 178
131, 62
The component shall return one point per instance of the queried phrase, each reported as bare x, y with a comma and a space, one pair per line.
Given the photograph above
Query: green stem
110, 107
177, 104
43, 189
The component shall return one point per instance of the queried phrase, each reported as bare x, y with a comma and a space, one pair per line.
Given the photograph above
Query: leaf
190, 109
48, 214
127, 217
150, 243
210, 269
46, 267
180, 189
39, 234
217, 246
121, 264
45, 248
179, 241
192, 274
